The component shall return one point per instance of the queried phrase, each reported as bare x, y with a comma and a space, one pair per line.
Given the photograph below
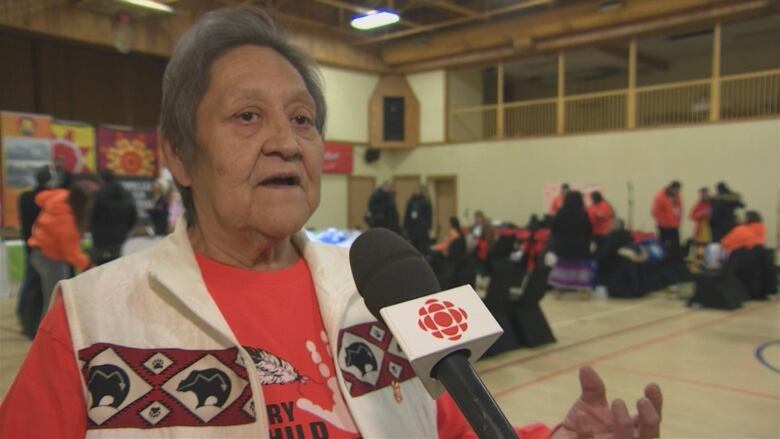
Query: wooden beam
631, 104
715, 87
63, 20
455, 21
549, 27
645, 60
713, 13
560, 125
438, 55
459, 60
462, 10
294, 20
500, 128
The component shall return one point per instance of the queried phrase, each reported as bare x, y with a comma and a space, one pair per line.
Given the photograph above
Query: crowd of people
715, 220
57, 214
237, 306
582, 233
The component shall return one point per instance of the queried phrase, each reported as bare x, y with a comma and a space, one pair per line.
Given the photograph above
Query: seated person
749, 234
176, 341
454, 232
606, 255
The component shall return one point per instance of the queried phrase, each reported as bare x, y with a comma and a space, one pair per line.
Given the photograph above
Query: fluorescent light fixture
374, 19
149, 4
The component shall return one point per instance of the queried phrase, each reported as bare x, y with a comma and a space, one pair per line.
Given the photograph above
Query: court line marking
12, 330
600, 314
559, 348
759, 353
775, 397
629, 348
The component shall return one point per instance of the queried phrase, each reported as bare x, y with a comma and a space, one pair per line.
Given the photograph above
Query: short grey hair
187, 75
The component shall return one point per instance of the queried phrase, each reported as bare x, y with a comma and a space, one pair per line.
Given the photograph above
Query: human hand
591, 416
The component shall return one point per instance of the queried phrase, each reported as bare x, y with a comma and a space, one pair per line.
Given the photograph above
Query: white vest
155, 302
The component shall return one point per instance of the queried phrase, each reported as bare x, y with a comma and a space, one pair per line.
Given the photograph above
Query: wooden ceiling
431, 34
444, 33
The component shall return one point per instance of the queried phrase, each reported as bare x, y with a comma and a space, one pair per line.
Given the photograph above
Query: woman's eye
303, 120
247, 116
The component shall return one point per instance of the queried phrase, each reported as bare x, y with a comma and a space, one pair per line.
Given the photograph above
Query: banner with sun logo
128, 152
26, 146
73, 145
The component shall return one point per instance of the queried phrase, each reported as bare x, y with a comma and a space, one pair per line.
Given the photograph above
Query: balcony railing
691, 102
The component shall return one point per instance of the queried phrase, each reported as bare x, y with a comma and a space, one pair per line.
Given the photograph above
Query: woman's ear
173, 161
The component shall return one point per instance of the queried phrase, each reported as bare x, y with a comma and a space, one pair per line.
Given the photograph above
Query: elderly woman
235, 325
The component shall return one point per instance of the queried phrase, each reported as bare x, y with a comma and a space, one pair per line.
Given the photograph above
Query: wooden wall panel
143, 90
77, 82
17, 90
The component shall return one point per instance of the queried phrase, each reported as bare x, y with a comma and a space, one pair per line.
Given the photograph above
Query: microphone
440, 332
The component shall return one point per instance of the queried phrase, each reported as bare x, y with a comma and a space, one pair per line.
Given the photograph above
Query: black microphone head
388, 270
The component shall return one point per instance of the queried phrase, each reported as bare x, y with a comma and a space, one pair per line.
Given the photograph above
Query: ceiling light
149, 4
374, 19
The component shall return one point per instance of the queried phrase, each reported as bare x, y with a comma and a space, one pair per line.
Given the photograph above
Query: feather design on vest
272, 369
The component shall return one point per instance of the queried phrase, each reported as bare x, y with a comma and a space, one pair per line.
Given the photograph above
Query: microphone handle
472, 397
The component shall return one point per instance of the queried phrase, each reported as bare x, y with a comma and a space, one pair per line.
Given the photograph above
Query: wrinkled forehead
256, 73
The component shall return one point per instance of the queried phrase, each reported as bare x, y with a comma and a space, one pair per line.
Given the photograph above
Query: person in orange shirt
557, 202
55, 243
601, 215
749, 234
667, 212
453, 233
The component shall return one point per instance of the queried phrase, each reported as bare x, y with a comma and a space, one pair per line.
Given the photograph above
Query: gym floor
719, 370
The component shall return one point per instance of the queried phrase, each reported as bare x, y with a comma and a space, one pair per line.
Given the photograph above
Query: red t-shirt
556, 204
297, 373
300, 390
601, 218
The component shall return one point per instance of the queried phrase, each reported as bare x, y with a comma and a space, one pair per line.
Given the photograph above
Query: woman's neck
248, 250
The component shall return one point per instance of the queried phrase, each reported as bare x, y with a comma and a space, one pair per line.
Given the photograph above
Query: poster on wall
337, 158
73, 145
128, 152
26, 146
551, 190
141, 188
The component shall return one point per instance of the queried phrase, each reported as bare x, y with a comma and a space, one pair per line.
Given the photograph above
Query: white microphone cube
431, 327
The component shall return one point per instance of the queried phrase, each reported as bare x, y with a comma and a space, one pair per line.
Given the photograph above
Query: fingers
649, 419
581, 426
623, 425
593, 390
653, 393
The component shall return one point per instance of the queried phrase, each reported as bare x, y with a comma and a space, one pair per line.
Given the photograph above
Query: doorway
359, 190
445, 201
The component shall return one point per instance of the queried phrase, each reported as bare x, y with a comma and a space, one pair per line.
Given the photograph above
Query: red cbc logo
443, 319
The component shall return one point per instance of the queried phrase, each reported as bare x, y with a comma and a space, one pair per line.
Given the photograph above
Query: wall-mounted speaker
372, 155
393, 118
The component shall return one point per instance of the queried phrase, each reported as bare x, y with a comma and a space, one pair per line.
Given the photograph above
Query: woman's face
259, 156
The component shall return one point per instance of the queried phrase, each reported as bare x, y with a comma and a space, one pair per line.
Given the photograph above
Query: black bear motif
206, 383
108, 380
360, 356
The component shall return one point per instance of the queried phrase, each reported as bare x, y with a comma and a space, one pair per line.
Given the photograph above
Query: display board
73, 146
25, 140
128, 152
